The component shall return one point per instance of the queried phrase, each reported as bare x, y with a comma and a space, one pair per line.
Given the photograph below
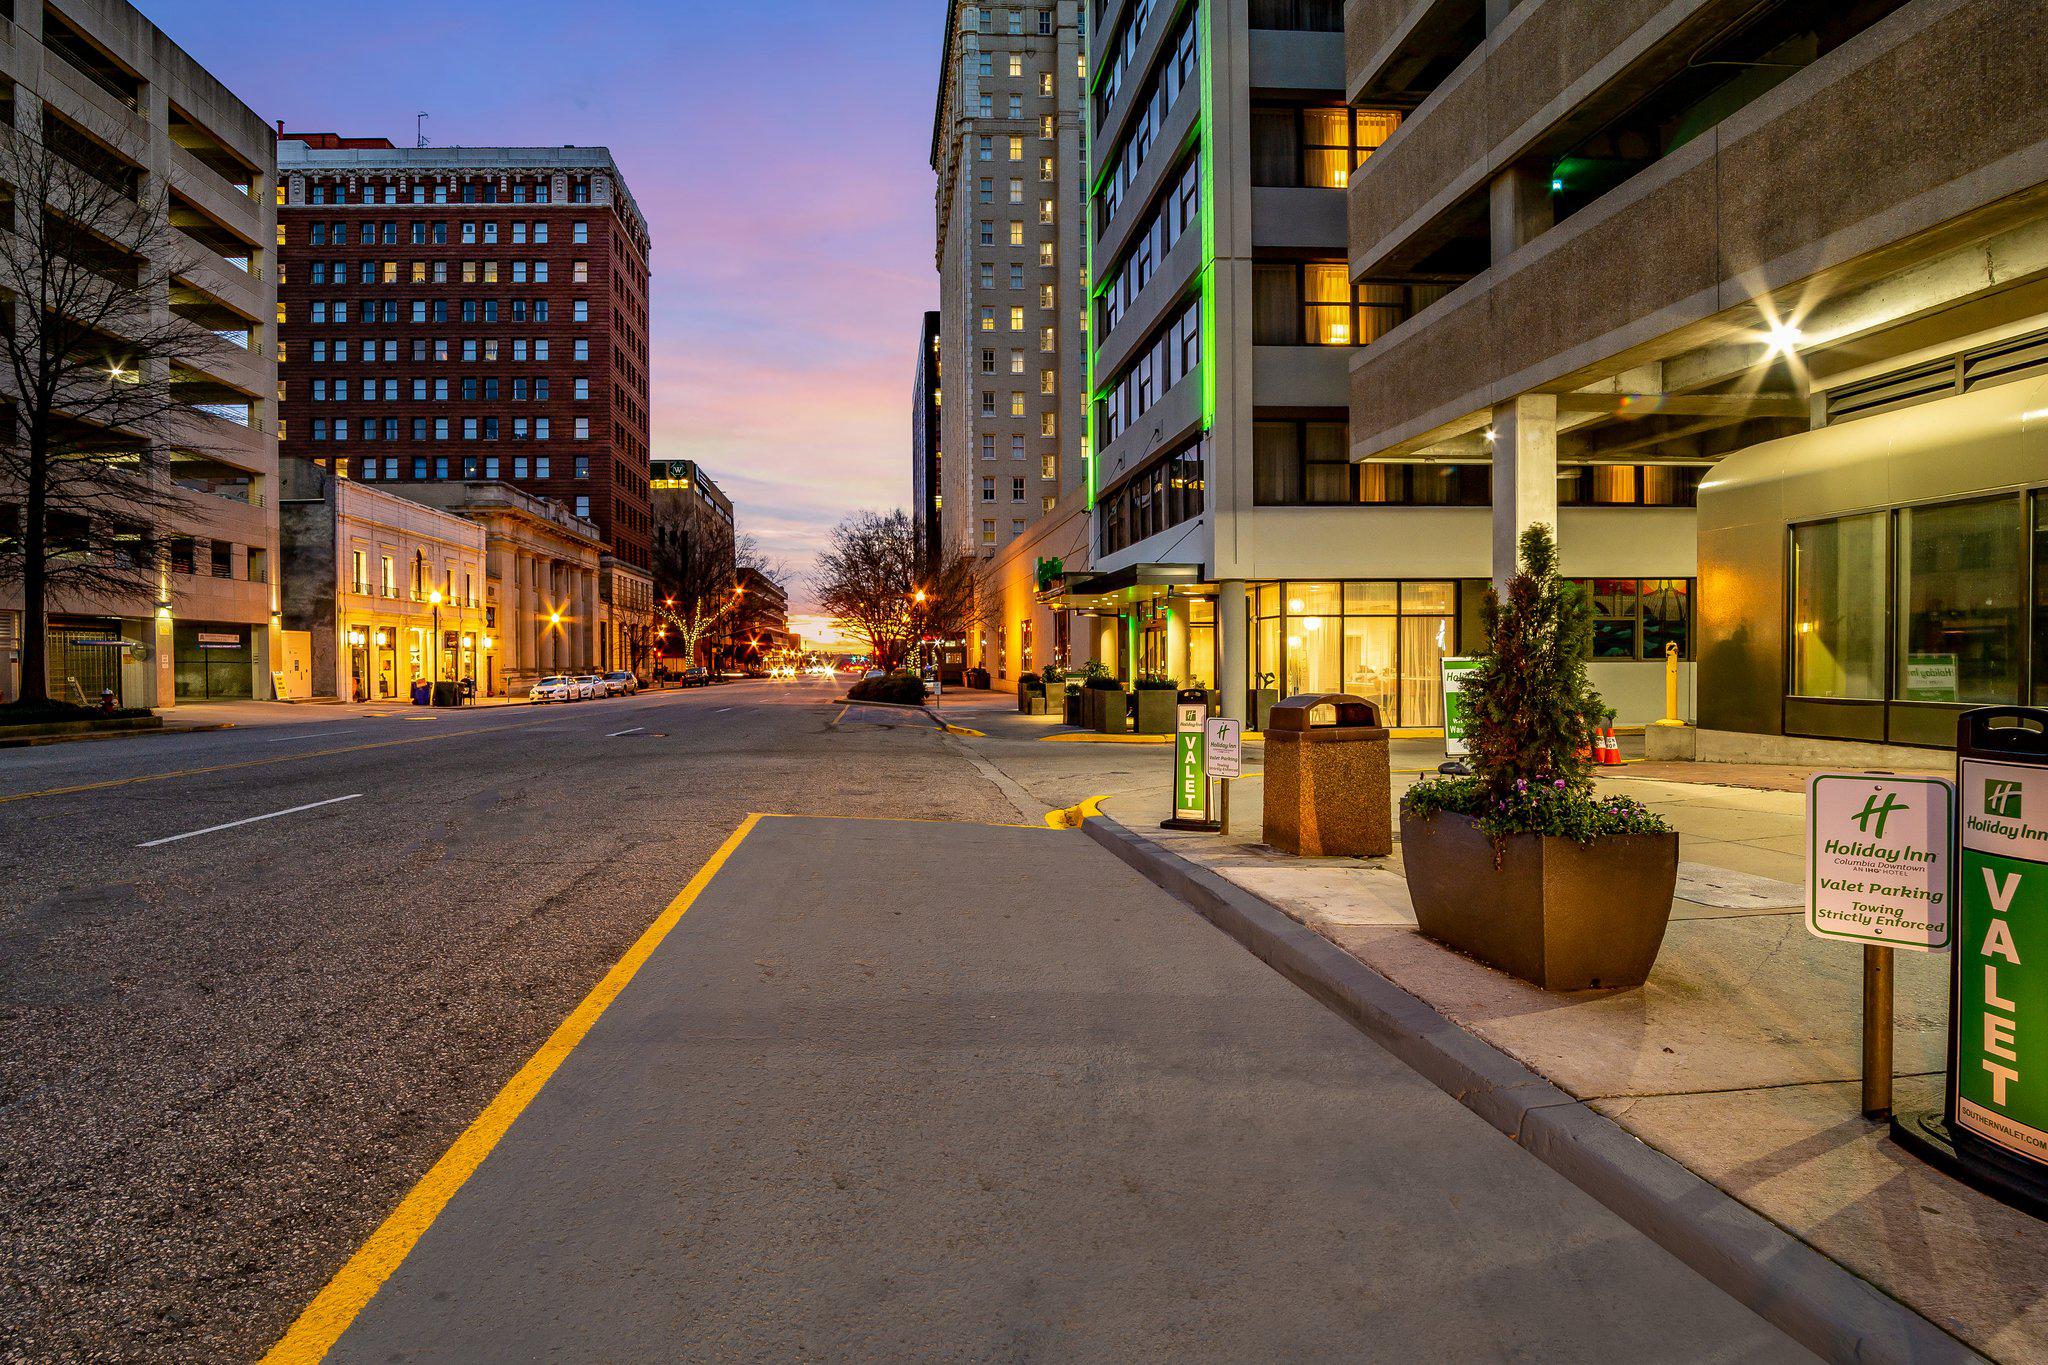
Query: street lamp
434, 651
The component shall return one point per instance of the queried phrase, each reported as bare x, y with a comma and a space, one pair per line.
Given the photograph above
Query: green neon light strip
1208, 155
1088, 288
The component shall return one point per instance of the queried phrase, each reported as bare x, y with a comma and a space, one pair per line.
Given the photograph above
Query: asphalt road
888, 1088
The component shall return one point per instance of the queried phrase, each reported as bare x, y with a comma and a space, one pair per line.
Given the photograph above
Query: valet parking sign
1877, 859
2001, 996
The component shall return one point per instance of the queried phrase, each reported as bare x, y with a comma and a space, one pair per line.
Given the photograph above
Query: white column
1524, 476
1233, 662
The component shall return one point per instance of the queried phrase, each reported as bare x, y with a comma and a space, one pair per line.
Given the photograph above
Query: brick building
466, 314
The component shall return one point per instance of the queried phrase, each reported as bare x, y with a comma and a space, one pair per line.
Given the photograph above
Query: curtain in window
1276, 463
1327, 477
1276, 306
1276, 158
1328, 290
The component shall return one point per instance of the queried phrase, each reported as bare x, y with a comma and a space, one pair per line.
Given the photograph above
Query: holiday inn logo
2001, 797
1878, 811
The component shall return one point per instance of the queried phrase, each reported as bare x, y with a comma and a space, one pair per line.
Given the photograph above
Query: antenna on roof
420, 130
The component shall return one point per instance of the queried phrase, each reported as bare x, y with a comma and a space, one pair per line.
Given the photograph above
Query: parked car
557, 688
620, 684
591, 684
696, 675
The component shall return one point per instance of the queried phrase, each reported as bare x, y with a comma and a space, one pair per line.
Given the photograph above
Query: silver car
620, 684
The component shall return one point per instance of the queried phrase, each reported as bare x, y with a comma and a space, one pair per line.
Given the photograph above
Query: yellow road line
901, 820
1106, 739
356, 1283
261, 762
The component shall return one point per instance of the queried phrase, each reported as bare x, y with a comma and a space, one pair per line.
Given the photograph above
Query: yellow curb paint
963, 730
903, 820
1105, 739
261, 762
356, 1283
1072, 816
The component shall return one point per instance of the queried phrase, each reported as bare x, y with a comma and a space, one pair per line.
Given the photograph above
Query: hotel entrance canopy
1110, 592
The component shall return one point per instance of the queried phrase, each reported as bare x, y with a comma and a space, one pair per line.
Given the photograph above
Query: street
886, 1089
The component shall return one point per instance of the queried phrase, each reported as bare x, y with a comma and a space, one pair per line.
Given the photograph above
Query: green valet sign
1999, 1074
1190, 748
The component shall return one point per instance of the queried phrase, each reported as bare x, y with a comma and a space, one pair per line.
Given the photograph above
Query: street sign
2001, 997
1223, 743
1454, 671
1877, 859
1993, 1131
1190, 787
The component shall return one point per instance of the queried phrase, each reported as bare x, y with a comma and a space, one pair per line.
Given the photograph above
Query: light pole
434, 652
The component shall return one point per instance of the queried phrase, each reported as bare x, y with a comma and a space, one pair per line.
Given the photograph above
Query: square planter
1031, 703
1155, 710
1258, 702
1564, 915
1109, 713
1070, 710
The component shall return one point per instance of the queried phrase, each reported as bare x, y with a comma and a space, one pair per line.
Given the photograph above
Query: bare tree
102, 374
869, 582
696, 566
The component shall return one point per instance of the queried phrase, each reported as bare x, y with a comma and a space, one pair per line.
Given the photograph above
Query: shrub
1099, 678
1031, 682
1052, 673
1529, 717
902, 688
1155, 682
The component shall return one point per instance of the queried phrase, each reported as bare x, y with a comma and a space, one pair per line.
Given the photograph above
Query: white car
553, 689
591, 684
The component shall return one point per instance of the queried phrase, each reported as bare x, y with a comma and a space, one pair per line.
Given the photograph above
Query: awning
1118, 588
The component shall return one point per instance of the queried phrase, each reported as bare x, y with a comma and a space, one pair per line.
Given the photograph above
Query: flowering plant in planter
1523, 865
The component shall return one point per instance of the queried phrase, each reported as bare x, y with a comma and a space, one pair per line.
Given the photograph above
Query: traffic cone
1613, 749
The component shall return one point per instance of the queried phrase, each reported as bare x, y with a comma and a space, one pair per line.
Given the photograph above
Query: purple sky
778, 147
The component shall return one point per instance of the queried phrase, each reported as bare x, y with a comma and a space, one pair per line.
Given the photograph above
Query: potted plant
1155, 694
1521, 865
1030, 695
1263, 698
1102, 707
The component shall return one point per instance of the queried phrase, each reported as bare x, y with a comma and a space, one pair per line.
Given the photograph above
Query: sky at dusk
780, 150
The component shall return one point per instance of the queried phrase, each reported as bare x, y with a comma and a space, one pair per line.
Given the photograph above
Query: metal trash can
1328, 791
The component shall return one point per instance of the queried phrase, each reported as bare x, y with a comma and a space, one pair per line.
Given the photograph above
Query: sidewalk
1739, 1058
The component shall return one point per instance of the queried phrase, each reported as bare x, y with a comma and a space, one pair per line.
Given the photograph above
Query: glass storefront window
1381, 640
1667, 612
1838, 608
1959, 577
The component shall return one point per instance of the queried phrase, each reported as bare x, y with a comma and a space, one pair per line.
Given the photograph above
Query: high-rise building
469, 314
926, 502
1006, 148
101, 88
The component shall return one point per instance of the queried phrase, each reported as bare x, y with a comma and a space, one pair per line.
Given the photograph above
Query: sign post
1223, 759
1190, 774
1993, 1131
1454, 671
1878, 874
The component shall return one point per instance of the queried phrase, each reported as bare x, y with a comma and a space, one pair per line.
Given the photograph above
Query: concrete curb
1810, 1298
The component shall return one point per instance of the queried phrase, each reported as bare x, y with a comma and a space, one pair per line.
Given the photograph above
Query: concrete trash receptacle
1328, 788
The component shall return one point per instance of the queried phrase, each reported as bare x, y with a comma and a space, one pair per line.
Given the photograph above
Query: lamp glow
1782, 339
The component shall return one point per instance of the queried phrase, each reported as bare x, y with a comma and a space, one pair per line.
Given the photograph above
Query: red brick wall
617, 330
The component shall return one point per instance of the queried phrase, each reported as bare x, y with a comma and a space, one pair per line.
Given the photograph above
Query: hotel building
469, 314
